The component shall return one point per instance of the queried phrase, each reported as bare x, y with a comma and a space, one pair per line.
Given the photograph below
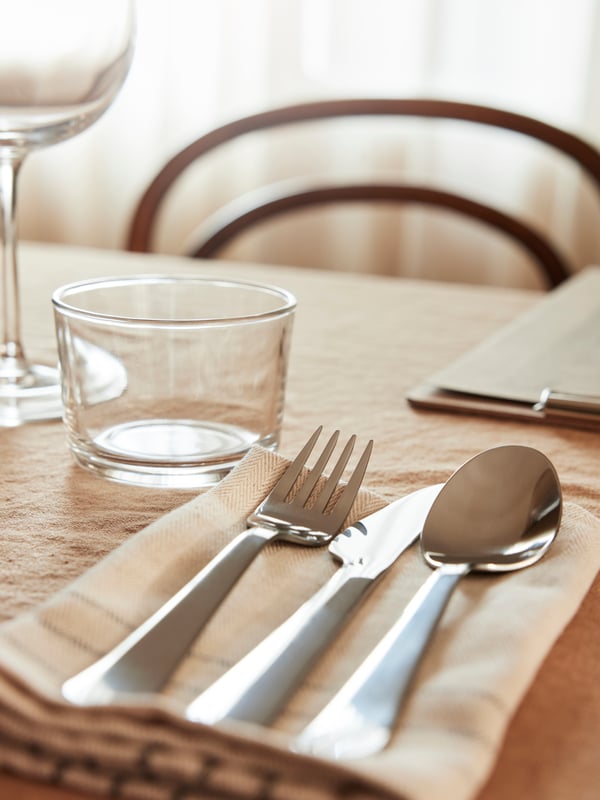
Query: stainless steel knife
256, 687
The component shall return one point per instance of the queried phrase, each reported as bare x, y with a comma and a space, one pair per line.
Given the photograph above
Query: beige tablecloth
359, 345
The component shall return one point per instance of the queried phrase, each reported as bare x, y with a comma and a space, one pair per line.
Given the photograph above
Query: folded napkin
491, 641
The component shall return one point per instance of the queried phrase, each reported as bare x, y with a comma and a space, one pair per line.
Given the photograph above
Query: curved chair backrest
238, 216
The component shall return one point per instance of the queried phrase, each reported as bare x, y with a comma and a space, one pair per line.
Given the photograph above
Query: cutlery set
500, 511
257, 687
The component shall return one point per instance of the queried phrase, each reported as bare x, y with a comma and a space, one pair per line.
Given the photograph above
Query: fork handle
146, 658
256, 687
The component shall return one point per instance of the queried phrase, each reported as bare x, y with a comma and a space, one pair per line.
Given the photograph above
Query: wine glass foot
34, 399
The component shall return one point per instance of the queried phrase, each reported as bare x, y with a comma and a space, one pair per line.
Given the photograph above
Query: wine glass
62, 63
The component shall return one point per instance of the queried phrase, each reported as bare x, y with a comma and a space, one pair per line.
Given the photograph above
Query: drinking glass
62, 63
168, 380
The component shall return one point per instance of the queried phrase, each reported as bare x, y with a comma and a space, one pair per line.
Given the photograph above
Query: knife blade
257, 687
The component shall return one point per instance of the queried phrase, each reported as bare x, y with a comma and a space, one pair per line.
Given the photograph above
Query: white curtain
200, 63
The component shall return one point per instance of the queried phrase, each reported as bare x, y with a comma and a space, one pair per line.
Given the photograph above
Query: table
360, 343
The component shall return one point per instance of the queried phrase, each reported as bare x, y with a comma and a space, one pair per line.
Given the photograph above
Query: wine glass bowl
62, 63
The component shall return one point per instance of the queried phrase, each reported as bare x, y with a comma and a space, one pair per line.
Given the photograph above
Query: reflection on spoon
500, 511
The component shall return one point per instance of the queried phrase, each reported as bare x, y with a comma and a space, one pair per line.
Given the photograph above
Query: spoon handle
358, 721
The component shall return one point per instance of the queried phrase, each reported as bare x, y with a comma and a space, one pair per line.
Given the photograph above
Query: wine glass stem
13, 364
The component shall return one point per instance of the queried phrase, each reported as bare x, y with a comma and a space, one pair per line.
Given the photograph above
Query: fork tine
335, 475
287, 480
344, 502
317, 471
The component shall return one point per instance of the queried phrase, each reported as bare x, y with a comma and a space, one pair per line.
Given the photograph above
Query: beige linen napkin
492, 639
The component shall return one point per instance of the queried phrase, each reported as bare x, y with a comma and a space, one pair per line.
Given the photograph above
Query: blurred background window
200, 63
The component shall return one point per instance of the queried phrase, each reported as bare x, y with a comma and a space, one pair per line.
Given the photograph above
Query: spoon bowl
500, 511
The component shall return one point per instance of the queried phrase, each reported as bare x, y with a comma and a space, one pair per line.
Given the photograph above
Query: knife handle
358, 721
256, 687
145, 659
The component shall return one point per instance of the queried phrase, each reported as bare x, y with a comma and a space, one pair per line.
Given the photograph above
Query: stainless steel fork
145, 659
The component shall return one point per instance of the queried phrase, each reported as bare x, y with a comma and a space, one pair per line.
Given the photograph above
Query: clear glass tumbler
169, 380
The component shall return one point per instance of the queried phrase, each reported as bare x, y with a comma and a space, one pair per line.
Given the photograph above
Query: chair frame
224, 226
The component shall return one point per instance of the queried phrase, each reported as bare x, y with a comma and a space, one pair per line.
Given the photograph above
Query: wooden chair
278, 199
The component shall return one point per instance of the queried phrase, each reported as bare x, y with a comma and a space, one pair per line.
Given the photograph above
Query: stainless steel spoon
500, 511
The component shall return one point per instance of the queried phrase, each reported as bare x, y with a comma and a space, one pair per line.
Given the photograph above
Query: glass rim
61, 294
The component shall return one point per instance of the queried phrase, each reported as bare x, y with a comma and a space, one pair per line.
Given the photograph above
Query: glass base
35, 399
174, 454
